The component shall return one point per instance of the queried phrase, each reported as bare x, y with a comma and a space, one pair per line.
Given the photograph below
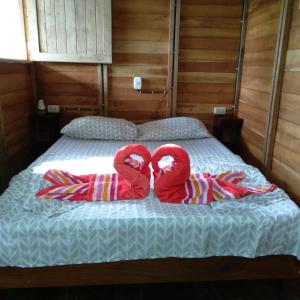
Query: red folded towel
175, 184
132, 180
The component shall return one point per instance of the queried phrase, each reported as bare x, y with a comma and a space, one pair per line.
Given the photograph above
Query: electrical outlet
53, 109
219, 110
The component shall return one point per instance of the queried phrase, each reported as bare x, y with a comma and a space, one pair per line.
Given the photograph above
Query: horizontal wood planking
73, 85
208, 49
258, 64
140, 36
16, 101
286, 160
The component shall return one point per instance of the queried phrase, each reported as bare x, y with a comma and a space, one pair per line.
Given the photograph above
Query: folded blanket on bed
175, 184
132, 180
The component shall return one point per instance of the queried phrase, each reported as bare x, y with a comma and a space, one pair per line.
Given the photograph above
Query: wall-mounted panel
256, 83
69, 30
208, 52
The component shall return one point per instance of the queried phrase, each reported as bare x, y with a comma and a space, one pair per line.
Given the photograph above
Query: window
12, 31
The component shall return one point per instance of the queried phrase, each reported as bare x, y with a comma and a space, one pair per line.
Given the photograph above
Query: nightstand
227, 129
45, 130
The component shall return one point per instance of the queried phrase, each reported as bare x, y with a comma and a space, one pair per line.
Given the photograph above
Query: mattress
35, 233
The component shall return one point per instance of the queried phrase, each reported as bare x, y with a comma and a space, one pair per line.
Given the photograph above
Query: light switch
137, 83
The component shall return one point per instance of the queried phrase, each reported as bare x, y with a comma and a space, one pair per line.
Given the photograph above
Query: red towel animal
175, 184
131, 182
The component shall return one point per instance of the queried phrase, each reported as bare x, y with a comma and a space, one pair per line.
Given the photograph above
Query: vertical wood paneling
69, 30
91, 27
256, 83
208, 49
50, 25
140, 48
286, 159
80, 14
60, 24
71, 26
15, 107
99, 28
42, 25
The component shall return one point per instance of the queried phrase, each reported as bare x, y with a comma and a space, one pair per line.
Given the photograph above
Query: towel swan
132, 180
175, 184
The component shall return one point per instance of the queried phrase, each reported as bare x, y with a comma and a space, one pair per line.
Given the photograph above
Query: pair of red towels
173, 183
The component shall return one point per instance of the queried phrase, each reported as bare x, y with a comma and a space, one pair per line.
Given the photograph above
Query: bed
61, 243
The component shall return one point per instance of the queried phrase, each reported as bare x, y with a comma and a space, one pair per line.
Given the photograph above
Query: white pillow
100, 128
179, 128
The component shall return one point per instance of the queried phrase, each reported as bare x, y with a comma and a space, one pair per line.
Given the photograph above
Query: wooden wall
258, 63
286, 159
140, 48
140, 34
15, 106
208, 50
70, 86
209, 40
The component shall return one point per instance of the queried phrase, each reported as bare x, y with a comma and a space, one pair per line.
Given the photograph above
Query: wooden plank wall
286, 159
140, 48
208, 50
69, 85
15, 106
258, 64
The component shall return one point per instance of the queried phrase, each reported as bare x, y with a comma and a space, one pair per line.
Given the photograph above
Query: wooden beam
35, 91
3, 154
153, 271
170, 57
175, 53
237, 90
105, 89
100, 99
277, 80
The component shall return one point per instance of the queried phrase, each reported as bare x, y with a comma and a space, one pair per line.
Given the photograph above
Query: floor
238, 290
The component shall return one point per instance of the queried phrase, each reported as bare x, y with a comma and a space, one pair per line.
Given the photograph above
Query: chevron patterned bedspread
36, 232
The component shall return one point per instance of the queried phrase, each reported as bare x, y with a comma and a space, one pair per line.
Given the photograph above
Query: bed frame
153, 271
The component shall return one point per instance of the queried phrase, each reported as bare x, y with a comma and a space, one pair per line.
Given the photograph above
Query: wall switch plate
137, 83
53, 109
219, 110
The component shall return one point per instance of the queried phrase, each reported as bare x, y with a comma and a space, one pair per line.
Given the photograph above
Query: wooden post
237, 90
174, 26
105, 89
35, 91
174, 33
3, 154
277, 80
100, 100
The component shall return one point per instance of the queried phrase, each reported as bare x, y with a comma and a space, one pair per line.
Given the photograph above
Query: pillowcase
100, 128
178, 128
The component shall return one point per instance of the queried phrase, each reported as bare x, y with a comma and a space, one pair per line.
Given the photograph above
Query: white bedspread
44, 233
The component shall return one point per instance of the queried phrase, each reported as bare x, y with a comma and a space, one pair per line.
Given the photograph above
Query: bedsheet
36, 233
